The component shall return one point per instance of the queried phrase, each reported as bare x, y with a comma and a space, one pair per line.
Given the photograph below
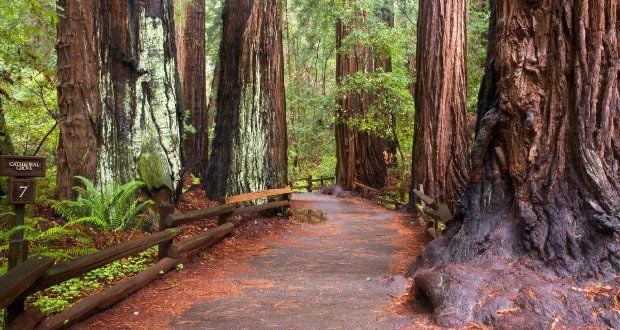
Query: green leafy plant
61, 296
58, 241
109, 208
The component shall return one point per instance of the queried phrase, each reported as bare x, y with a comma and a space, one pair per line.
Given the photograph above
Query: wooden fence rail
38, 274
384, 194
14, 283
310, 183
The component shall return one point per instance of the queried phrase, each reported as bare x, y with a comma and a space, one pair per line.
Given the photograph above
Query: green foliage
57, 241
310, 50
477, 28
28, 74
109, 208
59, 297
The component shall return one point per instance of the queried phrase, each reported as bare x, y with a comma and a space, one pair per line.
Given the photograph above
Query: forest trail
345, 272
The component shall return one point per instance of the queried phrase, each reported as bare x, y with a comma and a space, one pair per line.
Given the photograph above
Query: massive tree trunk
359, 153
542, 206
192, 69
79, 101
119, 105
440, 143
249, 151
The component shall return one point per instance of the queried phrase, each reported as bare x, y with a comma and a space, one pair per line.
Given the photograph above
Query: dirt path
343, 273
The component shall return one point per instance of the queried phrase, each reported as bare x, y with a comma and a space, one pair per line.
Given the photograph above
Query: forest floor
346, 271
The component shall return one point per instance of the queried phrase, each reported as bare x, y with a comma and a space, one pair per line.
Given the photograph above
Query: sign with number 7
22, 191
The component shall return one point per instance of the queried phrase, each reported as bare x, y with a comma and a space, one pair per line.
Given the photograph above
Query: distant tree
440, 144
359, 152
249, 149
6, 147
118, 96
541, 210
191, 57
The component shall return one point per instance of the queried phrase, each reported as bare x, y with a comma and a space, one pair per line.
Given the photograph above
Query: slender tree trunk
249, 151
120, 114
542, 206
6, 146
192, 69
359, 154
440, 143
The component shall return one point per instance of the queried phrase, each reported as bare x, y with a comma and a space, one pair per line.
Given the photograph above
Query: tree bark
359, 154
6, 146
120, 111
79, 102
249, 151
192, 69
440, 143
542, 205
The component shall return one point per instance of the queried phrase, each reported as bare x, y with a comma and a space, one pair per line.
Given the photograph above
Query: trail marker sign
22, 191
22, 166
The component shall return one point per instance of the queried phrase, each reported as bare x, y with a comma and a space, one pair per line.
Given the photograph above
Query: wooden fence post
310, 183
322, 182
222, 219
18, 253
164, 211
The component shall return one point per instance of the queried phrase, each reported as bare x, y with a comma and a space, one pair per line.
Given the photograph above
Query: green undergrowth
62, 296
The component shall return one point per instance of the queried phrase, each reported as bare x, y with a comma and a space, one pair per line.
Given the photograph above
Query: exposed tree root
513, 293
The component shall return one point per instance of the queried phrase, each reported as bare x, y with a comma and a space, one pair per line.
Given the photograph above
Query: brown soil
344, 272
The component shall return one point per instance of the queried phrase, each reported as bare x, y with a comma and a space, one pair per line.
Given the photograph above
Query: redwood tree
191, 57
440, 130
542, 206
119, 109
249, 149
359, 153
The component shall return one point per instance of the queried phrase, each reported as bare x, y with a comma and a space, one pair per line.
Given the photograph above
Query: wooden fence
392, 197
310, 183
40, 273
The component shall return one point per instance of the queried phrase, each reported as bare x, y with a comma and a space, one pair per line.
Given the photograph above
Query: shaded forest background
28, 77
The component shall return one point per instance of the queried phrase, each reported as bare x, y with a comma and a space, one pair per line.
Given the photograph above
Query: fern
50, 242
109, 208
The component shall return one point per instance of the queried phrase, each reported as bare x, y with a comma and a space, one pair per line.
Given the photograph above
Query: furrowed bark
120, 113
190, 38
250, 143
359, 153
542, 205
440, 143
79, 101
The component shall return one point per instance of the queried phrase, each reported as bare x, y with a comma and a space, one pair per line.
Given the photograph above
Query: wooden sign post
22, 189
